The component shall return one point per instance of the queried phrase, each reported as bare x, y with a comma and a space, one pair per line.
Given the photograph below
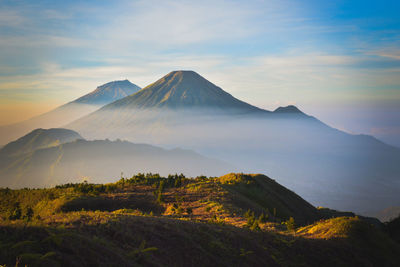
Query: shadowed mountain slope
54, 162
39, 138
288, 109
71, 111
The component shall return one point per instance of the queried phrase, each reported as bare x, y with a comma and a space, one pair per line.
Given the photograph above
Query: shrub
16, 212
290, 224
255, 226
28, 214
249, 215
159, 191
263, 217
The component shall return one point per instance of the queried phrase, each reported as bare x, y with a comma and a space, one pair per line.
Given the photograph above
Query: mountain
49, 157
108, 93
150, 220
39, 138
183, 89
71, 111
179, 98
326, 166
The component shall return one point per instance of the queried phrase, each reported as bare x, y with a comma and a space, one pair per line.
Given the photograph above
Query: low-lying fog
325, 166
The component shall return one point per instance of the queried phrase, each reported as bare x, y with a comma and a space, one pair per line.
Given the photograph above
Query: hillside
157, 221
326, 166
55, 162
39, 138
71, 111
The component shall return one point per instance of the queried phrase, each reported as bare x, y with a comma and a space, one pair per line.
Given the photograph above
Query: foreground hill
233, 220
328, 167
71, 111
44, 158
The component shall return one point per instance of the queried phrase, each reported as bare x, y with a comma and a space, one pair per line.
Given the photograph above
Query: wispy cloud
11, 18
268, 53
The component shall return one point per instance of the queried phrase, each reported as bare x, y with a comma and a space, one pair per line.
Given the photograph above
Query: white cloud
69, 52
177, 23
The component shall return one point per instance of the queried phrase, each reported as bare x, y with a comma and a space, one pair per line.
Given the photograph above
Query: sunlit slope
157, 221
260, 193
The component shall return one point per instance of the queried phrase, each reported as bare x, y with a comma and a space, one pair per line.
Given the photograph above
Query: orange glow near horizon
16, 112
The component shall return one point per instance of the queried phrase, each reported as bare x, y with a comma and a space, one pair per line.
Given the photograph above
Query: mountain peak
125, 82
288, 109
183, 72
108, 93
183, 89
187, 74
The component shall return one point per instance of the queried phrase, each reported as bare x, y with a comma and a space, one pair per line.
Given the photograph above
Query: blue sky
336, 60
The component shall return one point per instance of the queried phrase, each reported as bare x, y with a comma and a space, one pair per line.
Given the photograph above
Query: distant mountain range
71, 111
46, 158
326, 166
180, 98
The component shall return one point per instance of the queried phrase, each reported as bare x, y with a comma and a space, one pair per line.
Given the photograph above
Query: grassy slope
122, 224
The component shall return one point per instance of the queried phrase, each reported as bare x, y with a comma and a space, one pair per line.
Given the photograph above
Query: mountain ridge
39, 138
70, 111
35, 160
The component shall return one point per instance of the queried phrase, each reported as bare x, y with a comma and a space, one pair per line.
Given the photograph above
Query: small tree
249, 215
159, 197
290, 224
16, 212
159, 191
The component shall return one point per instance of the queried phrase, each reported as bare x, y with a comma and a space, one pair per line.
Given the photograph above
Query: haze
338, 61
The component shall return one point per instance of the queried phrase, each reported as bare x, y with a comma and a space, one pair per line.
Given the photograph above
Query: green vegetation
160, 221
290, 225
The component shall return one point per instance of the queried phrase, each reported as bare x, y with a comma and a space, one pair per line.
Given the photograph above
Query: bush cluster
253, 222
